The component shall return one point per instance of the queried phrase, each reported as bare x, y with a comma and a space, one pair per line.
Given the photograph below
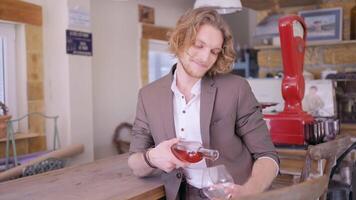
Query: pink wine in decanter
193, 152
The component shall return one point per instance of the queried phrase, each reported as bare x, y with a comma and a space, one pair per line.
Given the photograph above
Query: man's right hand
162, 157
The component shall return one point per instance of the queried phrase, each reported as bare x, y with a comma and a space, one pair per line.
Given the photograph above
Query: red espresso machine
289, 127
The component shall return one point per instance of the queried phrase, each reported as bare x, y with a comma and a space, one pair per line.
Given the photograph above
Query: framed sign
79, 43
146, 14
323, 24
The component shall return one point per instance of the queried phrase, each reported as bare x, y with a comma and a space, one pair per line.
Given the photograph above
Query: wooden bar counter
104, 179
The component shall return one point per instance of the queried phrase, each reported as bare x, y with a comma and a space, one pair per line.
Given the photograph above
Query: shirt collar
196, 89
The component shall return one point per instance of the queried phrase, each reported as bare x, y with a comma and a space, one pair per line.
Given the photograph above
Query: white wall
56, 68
68, 80
116, 75
81, 91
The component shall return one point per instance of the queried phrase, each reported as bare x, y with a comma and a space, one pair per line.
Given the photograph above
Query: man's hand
239, 190
263, 173
162, 157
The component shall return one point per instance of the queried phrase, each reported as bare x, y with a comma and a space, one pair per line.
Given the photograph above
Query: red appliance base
288, 129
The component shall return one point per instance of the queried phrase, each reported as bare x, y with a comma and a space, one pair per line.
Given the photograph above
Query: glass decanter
193, 152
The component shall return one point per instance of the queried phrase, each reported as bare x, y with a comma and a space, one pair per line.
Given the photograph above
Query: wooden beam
258, 4
22, 12
155, 32
270, 4
144, 61
105, 179
311, 189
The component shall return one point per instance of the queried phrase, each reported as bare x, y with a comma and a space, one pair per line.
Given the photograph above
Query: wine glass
216, 182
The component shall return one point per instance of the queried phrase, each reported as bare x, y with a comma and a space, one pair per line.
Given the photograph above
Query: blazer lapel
166, 107
207, 99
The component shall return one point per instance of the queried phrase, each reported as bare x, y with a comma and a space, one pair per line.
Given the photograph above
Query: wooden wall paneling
35, 77
144, 61
22, 12
37, 144
155, 32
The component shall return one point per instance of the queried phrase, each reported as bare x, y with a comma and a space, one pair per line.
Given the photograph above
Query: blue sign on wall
79, 43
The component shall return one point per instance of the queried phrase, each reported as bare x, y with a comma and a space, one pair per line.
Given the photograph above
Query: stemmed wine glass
216, 182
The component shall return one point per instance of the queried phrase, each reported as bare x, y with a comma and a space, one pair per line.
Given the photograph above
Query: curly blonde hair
184, 35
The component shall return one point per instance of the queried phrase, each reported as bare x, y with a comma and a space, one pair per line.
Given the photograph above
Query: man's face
313, 90
201, 56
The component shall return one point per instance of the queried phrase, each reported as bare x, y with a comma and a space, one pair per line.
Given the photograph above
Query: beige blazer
230, 119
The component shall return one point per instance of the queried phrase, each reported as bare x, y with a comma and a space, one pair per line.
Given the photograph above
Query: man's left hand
239, 190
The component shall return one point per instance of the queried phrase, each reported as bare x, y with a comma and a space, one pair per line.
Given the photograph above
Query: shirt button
179, 175
182, 97
183, 111
182, 129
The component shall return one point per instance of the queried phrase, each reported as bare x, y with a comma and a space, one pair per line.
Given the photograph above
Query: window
7, 67
160, 59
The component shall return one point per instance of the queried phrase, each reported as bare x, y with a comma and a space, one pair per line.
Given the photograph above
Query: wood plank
155, 32
272, 4
308, 190
37, 144
144, 61
329, 149
22, 136
348, 129
19, 11
283, 180
313, 44
291, 152
25, 143
104, 179
258, 4
292, 161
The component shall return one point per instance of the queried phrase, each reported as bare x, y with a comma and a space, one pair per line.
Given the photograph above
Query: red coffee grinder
288, 126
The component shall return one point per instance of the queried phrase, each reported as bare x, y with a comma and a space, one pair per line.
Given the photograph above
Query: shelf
310, 44
291, 152
22, 136
349, 129
269, 4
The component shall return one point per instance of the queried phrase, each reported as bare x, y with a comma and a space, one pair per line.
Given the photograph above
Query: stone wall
339, 56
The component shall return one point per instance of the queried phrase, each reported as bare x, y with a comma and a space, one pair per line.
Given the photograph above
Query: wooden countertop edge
154, 194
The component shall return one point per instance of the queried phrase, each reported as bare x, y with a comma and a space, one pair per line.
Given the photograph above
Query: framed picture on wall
323, 24
146, 14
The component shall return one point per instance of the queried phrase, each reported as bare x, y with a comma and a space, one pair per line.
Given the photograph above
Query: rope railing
10, 135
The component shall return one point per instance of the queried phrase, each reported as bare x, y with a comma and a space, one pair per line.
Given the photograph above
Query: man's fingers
169, 167
183, 164
178, 162
172, 141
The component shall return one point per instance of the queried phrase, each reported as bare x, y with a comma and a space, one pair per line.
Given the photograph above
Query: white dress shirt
187, 126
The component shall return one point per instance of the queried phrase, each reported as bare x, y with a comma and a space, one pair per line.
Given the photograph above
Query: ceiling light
222, 6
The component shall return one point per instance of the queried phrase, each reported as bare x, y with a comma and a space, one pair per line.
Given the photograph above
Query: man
199, 101
312, 102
